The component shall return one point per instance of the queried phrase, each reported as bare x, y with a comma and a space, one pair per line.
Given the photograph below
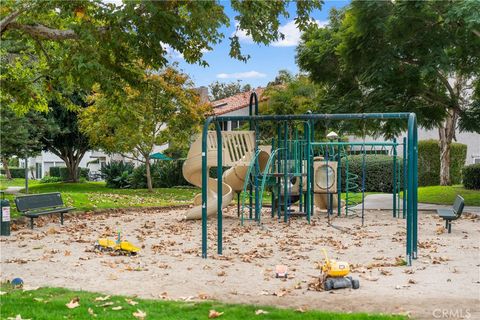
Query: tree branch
8, 19
44, 32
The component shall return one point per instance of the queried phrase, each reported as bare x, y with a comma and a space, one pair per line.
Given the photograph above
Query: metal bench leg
446, 224
61, 218
31, 223
450, 227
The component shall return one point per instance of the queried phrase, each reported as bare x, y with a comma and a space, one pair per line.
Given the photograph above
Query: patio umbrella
159, 156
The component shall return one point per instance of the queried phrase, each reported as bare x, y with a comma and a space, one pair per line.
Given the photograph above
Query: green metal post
279, 169
394, 179
285, 172
339, 180
404, 206
204, 186
273, 193
415, 187
219, 188
411, 187
309, 160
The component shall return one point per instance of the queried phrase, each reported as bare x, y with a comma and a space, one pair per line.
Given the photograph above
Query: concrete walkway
13, 190
384, 202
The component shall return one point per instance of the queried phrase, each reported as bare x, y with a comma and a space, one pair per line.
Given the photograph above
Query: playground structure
295, 167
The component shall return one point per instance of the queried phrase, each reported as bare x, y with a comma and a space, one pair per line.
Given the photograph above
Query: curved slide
233, 179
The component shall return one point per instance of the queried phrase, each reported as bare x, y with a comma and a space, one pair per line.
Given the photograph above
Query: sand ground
445, 279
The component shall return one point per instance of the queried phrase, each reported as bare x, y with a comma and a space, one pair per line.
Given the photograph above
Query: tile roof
235, 102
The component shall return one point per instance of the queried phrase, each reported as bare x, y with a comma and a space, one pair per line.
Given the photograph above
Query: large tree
163, 109
220, 90
391, 56
62, 136
19, 135
51, 49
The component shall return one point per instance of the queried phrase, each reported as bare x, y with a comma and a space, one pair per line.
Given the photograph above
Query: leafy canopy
164, 108
50, 49
385, 56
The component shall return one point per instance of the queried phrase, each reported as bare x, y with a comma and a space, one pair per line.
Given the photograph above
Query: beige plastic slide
237, 150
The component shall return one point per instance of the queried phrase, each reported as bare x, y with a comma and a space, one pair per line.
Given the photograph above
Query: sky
264, 62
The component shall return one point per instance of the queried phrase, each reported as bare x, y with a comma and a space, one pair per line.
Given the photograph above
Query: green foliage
471, 176
52, 48
165, 174
20, 135
64, 174
15, 172
51, 179
13, 162
220, 90
114, 170
429, 162
398, 56
378, 172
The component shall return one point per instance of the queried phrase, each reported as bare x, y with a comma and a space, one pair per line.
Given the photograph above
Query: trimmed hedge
62, 172
429, 162
378, 172
16, 172
165, 174
471, 176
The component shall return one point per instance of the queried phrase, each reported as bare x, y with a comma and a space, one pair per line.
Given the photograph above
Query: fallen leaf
260, 311
139, 314
214, 314
90, 311
18, 317
38, 299
385, 272
2, 293
202, 296
131, 302
102, 298
117, 308
106, 304
411, 281
300, 309
74, 303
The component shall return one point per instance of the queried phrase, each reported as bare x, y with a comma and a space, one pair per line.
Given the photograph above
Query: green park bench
35, 205
452, 214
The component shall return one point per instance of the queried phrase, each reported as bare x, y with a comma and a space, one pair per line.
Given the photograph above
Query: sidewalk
384, 202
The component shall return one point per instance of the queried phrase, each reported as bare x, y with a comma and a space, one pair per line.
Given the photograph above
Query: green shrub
115, 171
15, 172
471, 176
429, 162
50, 179
378, 172
62, 173
165, 174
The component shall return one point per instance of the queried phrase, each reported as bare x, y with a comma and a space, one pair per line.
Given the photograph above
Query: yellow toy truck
335, 275
117, 247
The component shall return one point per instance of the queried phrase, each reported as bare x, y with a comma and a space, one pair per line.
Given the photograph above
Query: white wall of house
240, 112
472, 140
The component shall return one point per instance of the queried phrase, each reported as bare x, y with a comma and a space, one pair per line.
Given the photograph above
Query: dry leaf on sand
74, 303
214, 314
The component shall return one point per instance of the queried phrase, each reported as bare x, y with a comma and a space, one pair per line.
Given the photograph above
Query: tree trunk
149, 175
72, 161
8, 174
446, 133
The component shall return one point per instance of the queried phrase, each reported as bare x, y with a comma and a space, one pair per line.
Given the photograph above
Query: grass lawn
94, 195
15, 182
50, 303
447, 194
